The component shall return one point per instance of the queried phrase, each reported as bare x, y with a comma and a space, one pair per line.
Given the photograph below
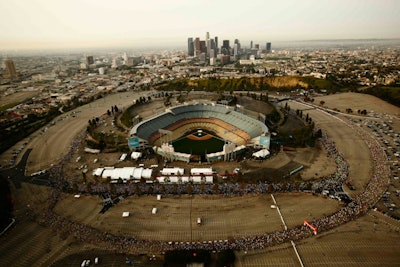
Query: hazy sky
91, 23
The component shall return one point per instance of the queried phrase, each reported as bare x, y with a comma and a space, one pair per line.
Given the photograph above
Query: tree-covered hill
279, 83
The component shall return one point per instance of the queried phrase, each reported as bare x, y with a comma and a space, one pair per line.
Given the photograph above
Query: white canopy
136, 155
92, 150
261, 154
98, 171
125, 173
198, 171
172, 171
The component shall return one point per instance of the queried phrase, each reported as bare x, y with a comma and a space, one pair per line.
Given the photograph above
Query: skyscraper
203, 47
10, 69
208, 45
197, 46
190, 47
216, 44
268, 47
225, 47
251, 44
89, 60
236, 51
212, 49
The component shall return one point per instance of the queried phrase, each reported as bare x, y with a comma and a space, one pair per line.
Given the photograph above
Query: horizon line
141, 45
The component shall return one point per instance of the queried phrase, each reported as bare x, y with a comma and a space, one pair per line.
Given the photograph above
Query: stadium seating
224, 121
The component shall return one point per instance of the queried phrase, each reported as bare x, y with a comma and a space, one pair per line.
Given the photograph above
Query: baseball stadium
312, 219
201, 132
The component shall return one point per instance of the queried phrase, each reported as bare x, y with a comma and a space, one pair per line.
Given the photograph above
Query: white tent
125, 173
108, 173
173, 179
125, 214
196, 179
209, 179
91, 150
172, 171
161, 179
98, 171
146, 173
137, 173
199, 171
185, 179
136, 155
261, 153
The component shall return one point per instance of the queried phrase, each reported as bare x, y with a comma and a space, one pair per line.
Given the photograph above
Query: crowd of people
332, 183
356, 207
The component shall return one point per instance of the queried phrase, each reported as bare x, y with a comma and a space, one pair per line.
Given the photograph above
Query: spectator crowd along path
355, 207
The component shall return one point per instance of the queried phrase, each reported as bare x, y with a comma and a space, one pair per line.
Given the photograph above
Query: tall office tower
216, 44
208, 47
237, 43
235, 49
197, 46
208, 43
251, 44
203, 48
213, 52
268, 47
10, 69
225, 49
89, 60
190, 47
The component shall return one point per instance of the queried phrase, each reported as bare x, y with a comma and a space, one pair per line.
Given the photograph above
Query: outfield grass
199, 147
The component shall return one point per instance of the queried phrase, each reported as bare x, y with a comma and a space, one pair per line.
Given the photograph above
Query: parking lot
176, 217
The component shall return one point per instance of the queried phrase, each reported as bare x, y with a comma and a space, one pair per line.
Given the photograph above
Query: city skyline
44, 24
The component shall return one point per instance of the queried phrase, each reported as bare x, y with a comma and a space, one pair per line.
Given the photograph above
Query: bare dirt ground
356, 102
176, 218
316, 163
358, 243
372, 240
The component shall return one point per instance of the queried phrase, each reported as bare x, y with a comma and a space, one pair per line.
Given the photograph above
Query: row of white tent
125, 173
134, 155
169, 175
208, 179
181, 171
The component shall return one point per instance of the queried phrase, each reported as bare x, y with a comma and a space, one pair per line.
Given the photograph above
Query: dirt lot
356, 102
176, 218
372, 240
